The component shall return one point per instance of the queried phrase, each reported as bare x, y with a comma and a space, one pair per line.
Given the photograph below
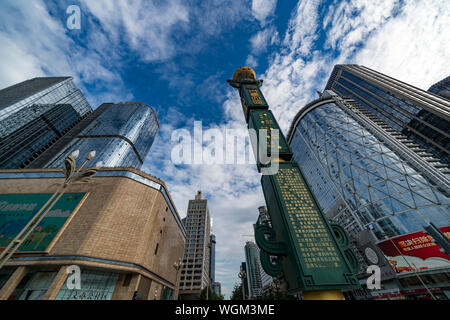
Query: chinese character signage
264, 120
16, 210
319, 261
415, 251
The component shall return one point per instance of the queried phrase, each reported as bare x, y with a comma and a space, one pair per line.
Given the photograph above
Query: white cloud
144, 26
302, 27
263, 9
413, 47
43, 47
251, 61
262, 39
408, 42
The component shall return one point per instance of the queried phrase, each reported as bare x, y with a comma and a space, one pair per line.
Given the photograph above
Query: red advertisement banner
415, 251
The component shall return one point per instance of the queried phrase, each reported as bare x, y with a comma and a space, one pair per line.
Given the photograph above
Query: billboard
16, 210
415, 252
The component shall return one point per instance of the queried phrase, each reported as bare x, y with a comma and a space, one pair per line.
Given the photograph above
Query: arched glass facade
121, 134
350, 167
423, 117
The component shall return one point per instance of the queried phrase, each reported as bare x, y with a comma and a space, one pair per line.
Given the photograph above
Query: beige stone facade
124, 226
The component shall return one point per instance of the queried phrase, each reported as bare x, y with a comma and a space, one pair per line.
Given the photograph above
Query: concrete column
56, 284
12, 282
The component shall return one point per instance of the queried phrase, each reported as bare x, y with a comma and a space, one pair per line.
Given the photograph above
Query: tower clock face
371, 255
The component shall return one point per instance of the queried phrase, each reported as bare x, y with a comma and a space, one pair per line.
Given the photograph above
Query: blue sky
176, 56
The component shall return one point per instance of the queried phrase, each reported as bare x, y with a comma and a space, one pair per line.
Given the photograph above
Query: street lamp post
72, 175
242, 275
177, 265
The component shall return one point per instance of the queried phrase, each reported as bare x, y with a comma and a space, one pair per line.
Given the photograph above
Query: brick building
122, 231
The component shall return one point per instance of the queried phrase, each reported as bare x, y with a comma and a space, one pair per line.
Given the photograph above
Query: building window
33, 286
127, 280
95, 285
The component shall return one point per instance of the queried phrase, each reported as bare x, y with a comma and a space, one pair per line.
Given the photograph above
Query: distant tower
216, 287
122, 135
34, 115
195, 274
253, 270
212, 264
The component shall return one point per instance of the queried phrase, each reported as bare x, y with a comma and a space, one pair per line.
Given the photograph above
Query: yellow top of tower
245, 73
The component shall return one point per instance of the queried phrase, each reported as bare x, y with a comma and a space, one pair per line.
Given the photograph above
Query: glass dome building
346, 157
366, 176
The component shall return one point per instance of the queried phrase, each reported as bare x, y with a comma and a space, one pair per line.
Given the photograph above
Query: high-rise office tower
121, 134
376, 183
35, 114
195, 274
212, 259
421, 116
441, 88
253, 270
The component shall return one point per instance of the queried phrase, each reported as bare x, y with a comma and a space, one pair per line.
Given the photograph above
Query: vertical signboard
321, 262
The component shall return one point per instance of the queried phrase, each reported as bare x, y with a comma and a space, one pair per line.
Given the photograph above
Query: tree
211, 294
236, 294
276, 293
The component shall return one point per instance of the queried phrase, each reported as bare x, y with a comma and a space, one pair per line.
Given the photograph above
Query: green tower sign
299, 244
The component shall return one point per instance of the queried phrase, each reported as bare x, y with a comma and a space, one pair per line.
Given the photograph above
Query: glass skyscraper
34, 114
121, 134
253, 270
441, 88
365, 175
421, 116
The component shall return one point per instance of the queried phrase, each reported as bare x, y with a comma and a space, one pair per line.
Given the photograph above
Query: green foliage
211, 294
277, 293
236, 294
